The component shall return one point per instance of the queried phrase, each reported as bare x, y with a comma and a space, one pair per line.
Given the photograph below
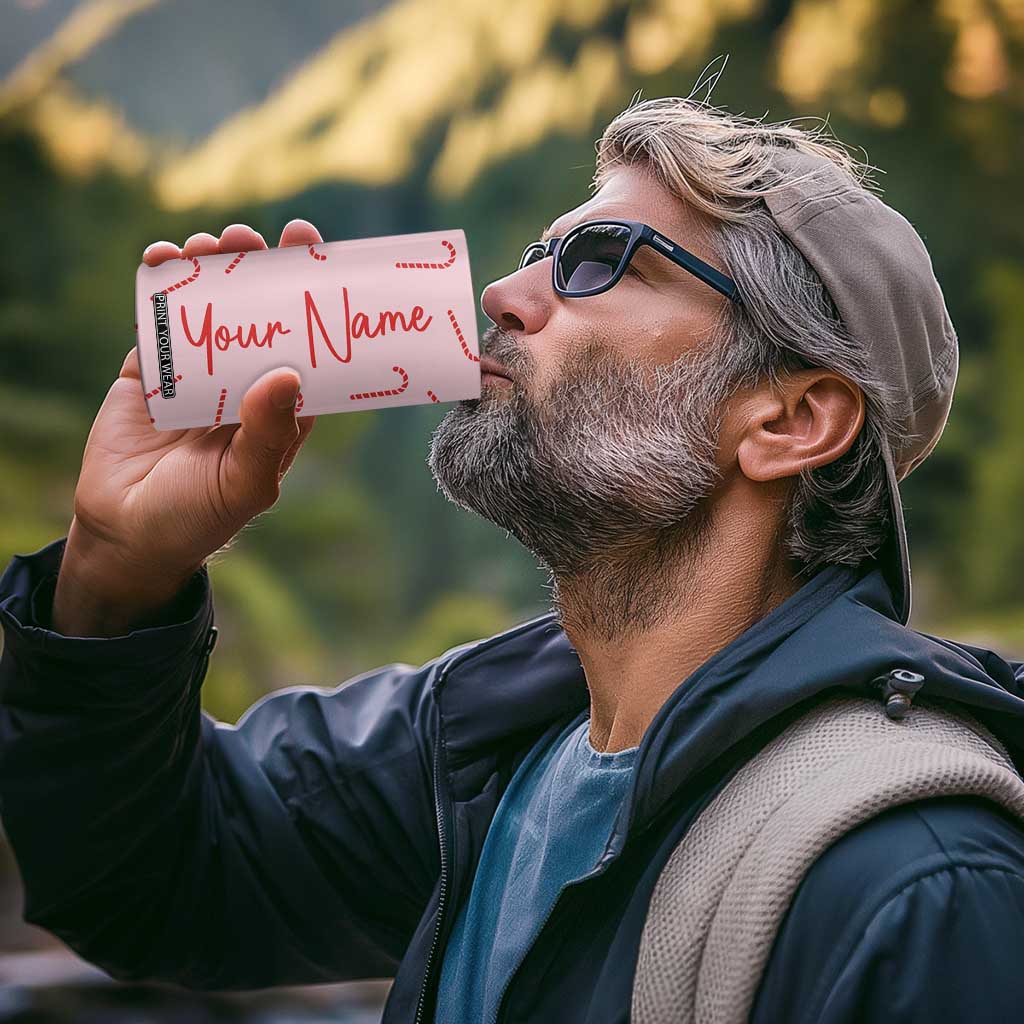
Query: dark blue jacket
332, 833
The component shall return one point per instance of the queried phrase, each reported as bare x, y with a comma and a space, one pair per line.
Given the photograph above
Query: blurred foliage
993, 548
419, 115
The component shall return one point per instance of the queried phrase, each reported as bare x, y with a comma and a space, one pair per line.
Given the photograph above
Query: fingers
263, 447
234, 238
158, 252
299, 232
305, 426
130, 366
202, 243
241, 238
266, 435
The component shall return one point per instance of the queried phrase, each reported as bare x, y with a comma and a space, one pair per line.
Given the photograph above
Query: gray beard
605, 479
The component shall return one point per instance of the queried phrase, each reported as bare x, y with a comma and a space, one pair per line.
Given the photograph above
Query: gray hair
721, 165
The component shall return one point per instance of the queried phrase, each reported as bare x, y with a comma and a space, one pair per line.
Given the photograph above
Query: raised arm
298, 846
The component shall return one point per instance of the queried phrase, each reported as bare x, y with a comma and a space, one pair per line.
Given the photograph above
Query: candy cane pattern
187, 280
392, 391
234, 263
316, 255
298, 404
462, 341
155, 391
431, 266
220, 405
433, 397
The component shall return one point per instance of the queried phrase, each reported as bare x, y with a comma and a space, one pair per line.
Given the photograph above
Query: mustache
500, 345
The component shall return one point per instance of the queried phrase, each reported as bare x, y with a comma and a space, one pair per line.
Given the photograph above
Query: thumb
267, 432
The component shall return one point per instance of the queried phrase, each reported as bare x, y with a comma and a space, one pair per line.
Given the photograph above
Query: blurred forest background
126, 122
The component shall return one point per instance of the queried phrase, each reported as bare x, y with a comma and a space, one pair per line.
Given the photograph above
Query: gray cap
880, 277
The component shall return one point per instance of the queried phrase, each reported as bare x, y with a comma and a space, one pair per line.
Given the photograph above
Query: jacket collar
839, 631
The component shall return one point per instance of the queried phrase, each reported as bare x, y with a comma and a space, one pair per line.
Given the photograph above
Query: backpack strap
725, 889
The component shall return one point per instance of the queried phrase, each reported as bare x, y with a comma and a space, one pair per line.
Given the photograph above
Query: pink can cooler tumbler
367, 323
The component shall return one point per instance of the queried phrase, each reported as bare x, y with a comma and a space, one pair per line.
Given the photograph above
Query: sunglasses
594, 255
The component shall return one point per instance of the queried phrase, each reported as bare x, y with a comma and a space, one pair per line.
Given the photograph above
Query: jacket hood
838, 632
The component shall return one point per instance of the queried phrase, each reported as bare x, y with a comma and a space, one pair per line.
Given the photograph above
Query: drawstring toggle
899, 686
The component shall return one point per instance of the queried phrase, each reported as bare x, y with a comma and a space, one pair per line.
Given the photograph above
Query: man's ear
812, 420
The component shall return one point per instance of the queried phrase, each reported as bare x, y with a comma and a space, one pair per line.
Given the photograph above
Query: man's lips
488, 365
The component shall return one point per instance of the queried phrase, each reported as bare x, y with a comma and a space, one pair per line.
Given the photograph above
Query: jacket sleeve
913, 918
944, 947
1018, 672
298, 846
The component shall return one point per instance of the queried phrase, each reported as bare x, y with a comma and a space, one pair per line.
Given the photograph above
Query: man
712, 384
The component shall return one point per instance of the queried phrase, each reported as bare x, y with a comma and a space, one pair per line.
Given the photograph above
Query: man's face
603, 445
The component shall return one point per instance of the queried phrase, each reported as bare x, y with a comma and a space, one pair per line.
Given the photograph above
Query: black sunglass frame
639, 234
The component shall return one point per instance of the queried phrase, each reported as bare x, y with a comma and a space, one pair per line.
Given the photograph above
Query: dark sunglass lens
591, 255
532, 254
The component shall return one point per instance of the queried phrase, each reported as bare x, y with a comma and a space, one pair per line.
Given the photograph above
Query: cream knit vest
723, 893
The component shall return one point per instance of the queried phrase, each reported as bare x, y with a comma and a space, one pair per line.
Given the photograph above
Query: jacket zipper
204, 664
443, 886
599, 869
508, 981
439, 807
593, 873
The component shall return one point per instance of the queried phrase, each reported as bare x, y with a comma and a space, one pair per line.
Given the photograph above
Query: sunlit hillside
455, 86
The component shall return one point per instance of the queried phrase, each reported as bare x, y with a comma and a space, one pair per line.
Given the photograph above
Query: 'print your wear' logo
163, 344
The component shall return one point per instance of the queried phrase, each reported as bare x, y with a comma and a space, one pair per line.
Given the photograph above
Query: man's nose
521, 301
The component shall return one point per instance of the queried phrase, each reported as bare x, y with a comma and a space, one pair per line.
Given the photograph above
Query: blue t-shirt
550, 827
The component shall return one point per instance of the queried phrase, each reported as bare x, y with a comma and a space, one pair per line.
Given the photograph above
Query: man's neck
669, 618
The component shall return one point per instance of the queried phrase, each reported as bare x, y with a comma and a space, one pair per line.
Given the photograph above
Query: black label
163, 344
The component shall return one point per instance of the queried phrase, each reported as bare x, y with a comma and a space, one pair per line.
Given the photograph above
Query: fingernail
284, 394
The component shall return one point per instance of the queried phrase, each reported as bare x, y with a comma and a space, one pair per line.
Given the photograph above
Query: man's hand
152, 505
